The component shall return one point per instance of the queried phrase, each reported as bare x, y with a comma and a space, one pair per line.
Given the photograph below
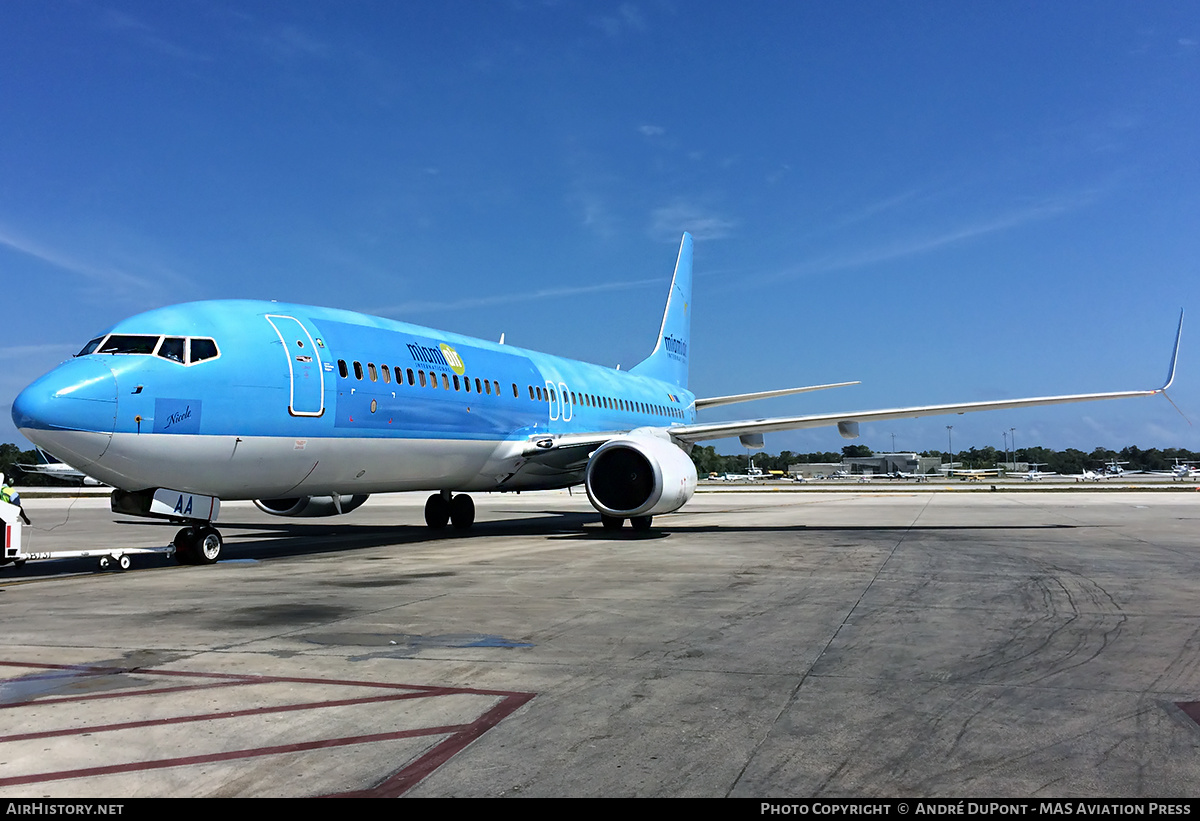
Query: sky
947, 201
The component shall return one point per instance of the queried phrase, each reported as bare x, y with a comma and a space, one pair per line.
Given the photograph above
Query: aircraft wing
723, 430
848, 422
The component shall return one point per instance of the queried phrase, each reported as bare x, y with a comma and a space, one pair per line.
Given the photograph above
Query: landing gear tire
437, 512
123, 562
611, 523
104, 562
462, 511
208, 545
198, 545
641, 523
185, 546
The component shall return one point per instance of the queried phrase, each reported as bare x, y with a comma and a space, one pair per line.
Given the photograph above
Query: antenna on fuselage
501, 337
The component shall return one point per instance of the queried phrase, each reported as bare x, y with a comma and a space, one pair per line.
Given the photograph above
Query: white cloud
672, 220
408, 308
628, 18
107, 279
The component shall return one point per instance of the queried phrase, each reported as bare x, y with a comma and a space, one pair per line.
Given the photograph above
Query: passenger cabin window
357, 369
371, 370
342, 368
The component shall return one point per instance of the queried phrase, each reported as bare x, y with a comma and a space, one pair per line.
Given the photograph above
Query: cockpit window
120, 343
90, 347
172, 348
202, 349
184, 350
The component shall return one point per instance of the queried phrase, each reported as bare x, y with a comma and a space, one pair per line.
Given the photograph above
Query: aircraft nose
70, 411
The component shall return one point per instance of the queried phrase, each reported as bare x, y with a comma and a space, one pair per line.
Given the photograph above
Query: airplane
1180, 473
1113, 468
1033, 474
307, 411
56, 469
913, 477
971, 474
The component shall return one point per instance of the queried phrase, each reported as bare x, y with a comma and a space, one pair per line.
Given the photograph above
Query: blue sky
947, 201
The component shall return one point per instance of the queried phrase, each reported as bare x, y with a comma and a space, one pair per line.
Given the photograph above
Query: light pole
1004, 433
950, 443
1013, 432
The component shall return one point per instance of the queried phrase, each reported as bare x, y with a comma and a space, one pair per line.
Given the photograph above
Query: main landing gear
640, 524
198, 544
442, 508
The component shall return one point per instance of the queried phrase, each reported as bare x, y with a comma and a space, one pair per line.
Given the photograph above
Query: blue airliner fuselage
422, 409
309, 410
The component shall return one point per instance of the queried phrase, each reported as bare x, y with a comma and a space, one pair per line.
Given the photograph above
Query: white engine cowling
310, 506
639, 476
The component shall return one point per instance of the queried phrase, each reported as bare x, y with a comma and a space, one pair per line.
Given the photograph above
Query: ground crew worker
9, 494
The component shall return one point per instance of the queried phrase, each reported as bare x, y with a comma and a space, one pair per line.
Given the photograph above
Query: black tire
462, 511
123, 562
611, 522
185, 545
641, 523
437, 512
207, 546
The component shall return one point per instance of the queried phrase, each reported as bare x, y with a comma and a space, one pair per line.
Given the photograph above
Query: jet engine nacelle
639, 476
310, 506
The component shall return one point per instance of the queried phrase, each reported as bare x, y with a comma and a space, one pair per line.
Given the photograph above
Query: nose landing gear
199, 544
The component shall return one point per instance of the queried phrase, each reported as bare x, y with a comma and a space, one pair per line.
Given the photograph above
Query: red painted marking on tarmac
1190, 708
459, 735
410, 776
183, 761
34, 701
156, 722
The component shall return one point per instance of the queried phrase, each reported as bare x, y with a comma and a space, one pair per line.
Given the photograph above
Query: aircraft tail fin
669, 359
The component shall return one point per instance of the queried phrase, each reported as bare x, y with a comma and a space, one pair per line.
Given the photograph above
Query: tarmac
873, 641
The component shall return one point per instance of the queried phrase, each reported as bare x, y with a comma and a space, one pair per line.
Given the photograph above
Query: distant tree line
1070, 460
11, 456
707, 460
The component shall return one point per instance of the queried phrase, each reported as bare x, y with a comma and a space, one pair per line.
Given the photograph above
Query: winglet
1175, 354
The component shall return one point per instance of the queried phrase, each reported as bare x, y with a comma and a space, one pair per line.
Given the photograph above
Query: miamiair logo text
443, 354
677, 348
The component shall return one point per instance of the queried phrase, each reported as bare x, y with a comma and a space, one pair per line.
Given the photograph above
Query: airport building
880, 463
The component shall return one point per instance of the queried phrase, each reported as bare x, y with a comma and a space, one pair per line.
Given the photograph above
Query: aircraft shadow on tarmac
261, 541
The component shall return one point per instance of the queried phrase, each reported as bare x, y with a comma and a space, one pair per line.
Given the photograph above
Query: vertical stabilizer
669, 360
